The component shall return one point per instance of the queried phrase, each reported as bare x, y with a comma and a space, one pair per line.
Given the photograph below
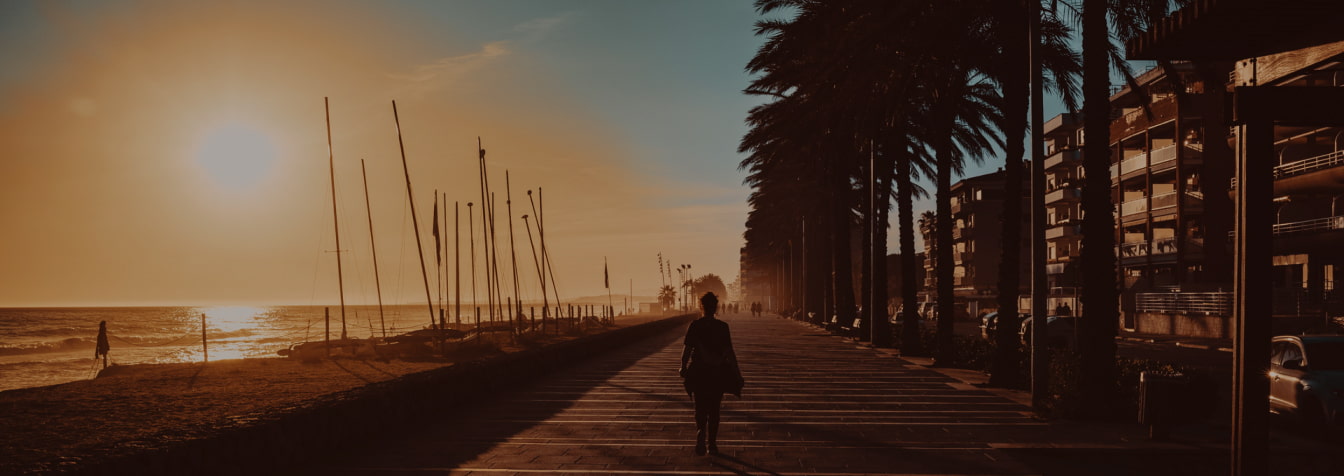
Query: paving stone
813, 403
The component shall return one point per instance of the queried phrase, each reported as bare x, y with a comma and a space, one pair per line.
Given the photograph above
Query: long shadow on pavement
459, 436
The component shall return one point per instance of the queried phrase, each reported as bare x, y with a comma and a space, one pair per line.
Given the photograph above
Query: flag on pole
606, 277
438, 255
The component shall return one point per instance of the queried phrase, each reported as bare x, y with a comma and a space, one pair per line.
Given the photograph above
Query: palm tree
1100, 295
1011, 72
667, 296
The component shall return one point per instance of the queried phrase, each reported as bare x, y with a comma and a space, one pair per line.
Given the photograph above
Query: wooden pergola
1223, 30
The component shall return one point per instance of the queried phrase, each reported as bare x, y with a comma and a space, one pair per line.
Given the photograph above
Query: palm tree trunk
944, 122
865, 269
842, 257
1007, 358
909, 265
1096, 369
878, 303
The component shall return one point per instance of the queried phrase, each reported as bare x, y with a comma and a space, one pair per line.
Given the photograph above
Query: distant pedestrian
709, 369
102, 347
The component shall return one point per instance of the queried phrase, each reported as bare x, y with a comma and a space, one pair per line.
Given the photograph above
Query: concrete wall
1192, 325
334, 422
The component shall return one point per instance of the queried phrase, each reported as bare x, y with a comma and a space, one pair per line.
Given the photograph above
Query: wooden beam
1265, 70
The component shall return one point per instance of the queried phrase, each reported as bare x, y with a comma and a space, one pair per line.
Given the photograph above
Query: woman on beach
103, 346
709, 367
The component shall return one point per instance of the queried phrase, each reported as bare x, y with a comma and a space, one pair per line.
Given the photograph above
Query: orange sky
107, 198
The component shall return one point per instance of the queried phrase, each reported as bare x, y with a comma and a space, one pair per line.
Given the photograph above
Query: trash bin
1160, 401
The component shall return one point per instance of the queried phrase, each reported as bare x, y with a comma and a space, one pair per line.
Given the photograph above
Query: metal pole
415, 224
376, 282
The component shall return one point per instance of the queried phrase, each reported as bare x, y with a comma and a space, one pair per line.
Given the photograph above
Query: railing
1164, 200
1134, 163
1132, 250
1216, 303
1318, 224
1162, 155
1062, 194
1060, 156
1164, 246
1134, 206
1324, 161
1061, 231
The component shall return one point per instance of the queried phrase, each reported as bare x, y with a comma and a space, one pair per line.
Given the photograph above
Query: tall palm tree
1100, 294
1011, 71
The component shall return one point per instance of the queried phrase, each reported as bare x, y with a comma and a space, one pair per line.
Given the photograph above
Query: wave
64, 345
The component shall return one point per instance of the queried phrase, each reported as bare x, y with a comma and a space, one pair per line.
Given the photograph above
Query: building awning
1237, 29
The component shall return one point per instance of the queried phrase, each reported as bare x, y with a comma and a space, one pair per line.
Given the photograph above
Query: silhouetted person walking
712, 371
101, 349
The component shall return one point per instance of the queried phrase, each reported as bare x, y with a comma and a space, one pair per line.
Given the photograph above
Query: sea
48, 346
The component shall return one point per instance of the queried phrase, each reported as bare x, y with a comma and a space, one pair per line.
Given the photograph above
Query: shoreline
152, 409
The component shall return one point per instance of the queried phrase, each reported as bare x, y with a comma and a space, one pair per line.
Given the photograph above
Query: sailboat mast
376, 282
441, 320
335, 221
415, 223
457, 263
485, 230
508, 203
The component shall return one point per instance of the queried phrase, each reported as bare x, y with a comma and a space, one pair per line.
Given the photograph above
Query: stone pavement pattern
814, 404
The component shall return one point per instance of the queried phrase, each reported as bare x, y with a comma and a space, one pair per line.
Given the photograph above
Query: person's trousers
707, 406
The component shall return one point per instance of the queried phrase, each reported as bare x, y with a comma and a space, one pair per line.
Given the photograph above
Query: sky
175, 153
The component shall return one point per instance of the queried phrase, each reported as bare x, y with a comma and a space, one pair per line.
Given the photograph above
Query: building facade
977, 247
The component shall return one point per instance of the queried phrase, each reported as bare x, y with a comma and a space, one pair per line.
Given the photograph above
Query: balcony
1067, 193
1134, 207
1320, 162
1136, 121
1164, 246
1162, 155
1066, 156
1061, 231
1132, 250
1310, 226
1133, 164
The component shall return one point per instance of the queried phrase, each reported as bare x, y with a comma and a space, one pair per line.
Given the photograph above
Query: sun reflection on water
233, 318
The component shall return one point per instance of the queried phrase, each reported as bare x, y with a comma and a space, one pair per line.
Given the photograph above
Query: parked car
1060, 330
1306, 378
990, 321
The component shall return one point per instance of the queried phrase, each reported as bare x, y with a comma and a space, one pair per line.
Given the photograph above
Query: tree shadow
490, 416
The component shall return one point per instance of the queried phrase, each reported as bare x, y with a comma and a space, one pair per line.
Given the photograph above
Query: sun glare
232, 318
236, 156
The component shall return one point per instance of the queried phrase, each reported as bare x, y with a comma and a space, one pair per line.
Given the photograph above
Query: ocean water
46, 346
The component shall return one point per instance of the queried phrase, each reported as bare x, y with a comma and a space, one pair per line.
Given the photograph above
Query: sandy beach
129, 409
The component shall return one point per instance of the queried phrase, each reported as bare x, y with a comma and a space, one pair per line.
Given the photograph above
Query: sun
236, 155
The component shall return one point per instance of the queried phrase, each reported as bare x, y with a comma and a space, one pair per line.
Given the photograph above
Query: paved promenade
814, 404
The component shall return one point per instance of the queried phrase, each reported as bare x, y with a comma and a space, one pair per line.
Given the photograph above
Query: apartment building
977, 207
1170, 171
1063, 209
